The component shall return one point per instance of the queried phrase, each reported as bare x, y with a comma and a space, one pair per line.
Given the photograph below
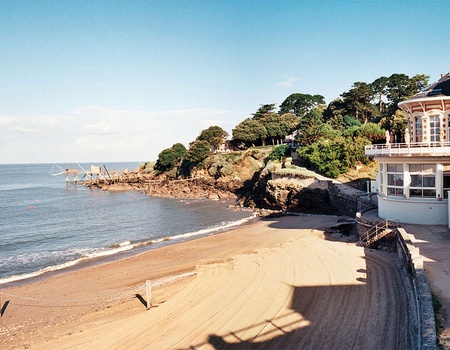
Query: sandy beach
275, 284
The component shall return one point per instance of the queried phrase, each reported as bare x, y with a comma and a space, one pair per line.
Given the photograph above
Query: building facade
413, 178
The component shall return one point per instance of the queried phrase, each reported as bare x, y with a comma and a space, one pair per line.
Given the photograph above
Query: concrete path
433, 242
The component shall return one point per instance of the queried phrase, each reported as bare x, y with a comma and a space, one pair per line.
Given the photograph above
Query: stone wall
348, 203
413, 261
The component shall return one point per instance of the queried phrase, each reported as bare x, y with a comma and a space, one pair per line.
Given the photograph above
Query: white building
413, 178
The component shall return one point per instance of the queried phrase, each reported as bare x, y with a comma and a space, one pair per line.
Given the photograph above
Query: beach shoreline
124, 250
64, 310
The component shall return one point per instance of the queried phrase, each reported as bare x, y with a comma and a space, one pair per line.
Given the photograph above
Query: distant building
413, 177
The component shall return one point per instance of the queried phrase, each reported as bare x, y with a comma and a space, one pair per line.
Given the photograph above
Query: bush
219, 166
280, 152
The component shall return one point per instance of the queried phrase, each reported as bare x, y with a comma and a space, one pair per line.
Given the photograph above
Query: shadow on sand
373, 313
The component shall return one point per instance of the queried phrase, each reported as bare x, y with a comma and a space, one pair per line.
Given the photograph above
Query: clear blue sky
109, 80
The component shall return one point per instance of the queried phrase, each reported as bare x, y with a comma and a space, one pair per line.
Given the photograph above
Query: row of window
423, 180
435, 129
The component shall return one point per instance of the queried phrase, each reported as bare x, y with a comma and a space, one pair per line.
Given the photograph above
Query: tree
214, 135
380, 89
288, 123
263, 110
324, 156
400, 87
370, 131
358, 101
170, 157
250, 131
397, 123
280, 152
310, 128
300, 104
179, 149
272, 124
198, 151
167, 159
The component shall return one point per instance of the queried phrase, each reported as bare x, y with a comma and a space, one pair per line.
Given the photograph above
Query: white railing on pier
403, 149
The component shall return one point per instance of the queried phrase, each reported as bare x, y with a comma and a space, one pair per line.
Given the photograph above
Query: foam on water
103, 252
46, 227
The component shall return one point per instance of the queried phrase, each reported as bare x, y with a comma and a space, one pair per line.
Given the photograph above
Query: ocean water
46, 226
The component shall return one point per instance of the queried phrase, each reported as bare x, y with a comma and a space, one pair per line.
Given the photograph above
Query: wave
222, 227
97, 253
128, 245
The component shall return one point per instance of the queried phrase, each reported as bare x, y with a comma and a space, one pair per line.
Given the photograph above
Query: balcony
408, 150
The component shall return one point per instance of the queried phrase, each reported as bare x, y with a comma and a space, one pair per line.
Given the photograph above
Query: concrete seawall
413, 262
414, 273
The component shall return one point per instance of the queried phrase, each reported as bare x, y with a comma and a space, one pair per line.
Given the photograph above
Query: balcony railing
412, 149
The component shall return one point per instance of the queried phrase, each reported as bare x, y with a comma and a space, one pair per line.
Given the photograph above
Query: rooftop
438, 89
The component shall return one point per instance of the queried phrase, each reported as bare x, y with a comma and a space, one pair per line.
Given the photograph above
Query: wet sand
275, 284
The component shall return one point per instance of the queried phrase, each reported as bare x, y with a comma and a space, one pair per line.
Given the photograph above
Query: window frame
394, 179
435, 127
420, 186
418, 129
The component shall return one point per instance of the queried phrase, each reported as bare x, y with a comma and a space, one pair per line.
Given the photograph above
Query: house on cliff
413, 178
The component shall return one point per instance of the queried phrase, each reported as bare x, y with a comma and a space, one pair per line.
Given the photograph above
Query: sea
47, 226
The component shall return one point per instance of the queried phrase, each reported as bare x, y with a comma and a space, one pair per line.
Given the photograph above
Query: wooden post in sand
148, 293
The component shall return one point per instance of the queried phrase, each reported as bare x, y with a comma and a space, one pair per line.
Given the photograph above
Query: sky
106, 81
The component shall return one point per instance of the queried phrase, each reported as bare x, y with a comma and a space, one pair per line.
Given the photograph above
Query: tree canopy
300, 104
198, 151
266, 126
214, 135
170, 157
332, 137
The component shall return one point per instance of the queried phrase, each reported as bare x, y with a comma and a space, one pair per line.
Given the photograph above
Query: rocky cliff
253, 181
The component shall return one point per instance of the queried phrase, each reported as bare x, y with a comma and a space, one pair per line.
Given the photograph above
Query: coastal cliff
252, 180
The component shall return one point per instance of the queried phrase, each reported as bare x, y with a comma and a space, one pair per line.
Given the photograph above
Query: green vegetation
170, 157
214, 135
331, 137
265, 127
280, 153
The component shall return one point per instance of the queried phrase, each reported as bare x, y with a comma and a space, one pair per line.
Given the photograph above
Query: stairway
377, 237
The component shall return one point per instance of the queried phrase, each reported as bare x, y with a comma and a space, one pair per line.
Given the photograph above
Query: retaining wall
413, 261
347, 204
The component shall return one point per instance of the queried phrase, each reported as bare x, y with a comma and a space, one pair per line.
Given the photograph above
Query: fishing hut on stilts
71, 174
71, 177
96, 176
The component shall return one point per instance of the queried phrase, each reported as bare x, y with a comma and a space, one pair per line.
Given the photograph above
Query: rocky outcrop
254, 180
306, 195
192, 188
264, 190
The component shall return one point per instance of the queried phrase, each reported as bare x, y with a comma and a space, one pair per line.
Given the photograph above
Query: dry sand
275, 284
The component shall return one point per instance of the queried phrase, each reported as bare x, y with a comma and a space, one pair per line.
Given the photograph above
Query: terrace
411, 149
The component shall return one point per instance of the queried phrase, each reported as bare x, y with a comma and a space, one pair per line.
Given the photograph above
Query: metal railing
405, 149
377, 232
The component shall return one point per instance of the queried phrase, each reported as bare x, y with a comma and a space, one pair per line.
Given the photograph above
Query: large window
435, 127
423, 180
395, 179
419, 130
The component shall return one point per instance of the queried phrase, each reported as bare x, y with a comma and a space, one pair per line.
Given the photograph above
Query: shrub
280, 152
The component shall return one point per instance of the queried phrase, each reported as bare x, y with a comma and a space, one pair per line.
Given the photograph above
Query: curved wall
410, 211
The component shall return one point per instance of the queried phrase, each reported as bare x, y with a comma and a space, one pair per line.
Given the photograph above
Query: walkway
433, 242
